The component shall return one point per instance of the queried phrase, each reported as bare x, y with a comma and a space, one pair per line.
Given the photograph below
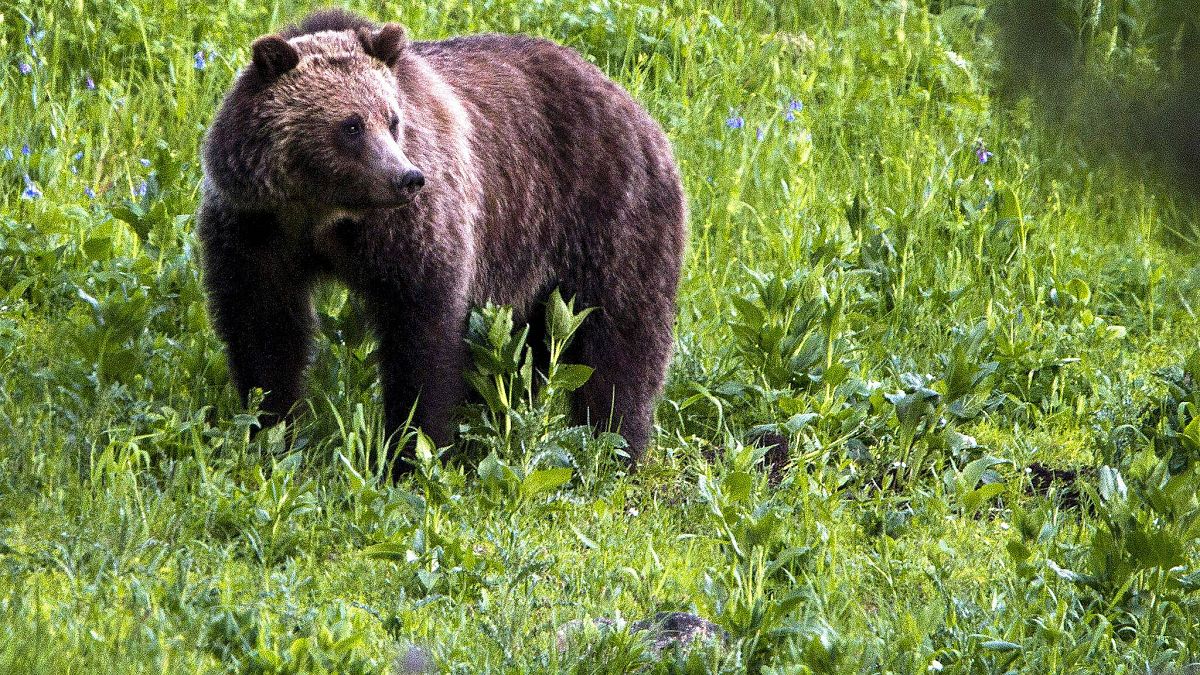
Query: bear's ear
385, 43
273, 56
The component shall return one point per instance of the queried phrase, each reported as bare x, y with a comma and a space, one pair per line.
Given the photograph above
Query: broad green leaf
1019, 551
751, 314
1112, 486
427, 578
976, 498
1008, 207
973, 473
571, 376
1080, 290
494, 472
737, 486
425, 448
544, 480
97, 248
584, 539
388, 550
799, 421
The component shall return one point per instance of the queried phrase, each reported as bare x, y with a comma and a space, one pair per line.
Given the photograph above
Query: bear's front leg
423, 353
260, 303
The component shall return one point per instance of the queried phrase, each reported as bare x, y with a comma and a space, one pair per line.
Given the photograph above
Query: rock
663, 632
668, 629
412, 660
567, 631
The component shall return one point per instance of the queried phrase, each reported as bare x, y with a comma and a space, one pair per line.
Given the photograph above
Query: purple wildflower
789, 116
89, 193
25, 68
144, 162
735, 120
759, 133
200, 62
795, 106
982, 153
140, 190
7, 154
90, 84
25, 150
31, 189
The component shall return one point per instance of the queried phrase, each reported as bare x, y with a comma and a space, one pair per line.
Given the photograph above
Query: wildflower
735, 121
759, 133
90, 84
200, 62
144, 162
25, 150
31, 189
795, 106
25, 68
7, 154
140, 190
789, 116
89, 193
982, 152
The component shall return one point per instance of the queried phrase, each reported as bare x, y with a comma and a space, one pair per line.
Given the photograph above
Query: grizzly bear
429, 177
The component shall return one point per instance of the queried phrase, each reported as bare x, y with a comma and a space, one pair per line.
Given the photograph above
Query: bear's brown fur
428, 177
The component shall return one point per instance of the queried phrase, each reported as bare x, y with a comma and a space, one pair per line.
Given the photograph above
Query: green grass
928, 331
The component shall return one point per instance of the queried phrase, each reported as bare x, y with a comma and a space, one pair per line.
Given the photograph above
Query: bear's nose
411, 180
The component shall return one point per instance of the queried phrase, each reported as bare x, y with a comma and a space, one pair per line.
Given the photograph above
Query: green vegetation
985, 372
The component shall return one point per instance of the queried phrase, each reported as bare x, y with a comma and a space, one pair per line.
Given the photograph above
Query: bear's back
533, 71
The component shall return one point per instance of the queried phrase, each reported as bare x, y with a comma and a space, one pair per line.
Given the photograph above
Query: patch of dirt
1043, 479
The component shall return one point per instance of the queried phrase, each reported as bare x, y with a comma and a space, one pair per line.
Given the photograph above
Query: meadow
933, 405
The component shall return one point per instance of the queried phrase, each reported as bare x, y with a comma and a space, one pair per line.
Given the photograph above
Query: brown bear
429, 177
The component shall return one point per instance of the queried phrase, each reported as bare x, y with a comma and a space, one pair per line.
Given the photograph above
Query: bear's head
316, 121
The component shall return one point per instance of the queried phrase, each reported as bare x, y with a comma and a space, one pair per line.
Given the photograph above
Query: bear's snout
408, 183
411, 179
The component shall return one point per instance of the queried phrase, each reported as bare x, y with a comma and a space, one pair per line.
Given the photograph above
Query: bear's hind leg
629, 356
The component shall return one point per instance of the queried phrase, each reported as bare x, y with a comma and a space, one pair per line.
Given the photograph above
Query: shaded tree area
1121, 79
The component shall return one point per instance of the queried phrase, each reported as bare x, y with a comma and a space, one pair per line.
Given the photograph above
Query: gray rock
668, 629
663, 632
411, 660
572, 628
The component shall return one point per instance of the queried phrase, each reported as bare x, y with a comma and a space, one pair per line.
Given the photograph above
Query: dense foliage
977, 339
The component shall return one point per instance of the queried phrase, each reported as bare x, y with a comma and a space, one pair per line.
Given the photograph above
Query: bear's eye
394, 124
352, 126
